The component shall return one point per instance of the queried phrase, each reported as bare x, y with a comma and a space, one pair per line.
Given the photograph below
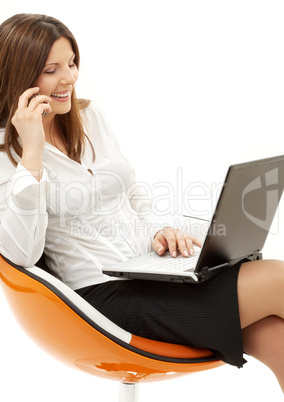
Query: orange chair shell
68, 328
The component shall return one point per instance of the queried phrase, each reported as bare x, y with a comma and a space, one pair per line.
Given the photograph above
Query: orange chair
74, 332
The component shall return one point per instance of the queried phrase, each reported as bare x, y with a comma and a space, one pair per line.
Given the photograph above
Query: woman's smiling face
59, 76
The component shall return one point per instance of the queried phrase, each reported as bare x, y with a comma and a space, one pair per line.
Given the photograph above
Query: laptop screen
245, 211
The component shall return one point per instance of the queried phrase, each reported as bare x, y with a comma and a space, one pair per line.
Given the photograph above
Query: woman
67, 190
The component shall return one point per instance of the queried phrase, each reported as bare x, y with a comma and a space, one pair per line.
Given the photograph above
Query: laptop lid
244, 213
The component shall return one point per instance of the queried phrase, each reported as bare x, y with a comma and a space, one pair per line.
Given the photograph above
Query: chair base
128, 392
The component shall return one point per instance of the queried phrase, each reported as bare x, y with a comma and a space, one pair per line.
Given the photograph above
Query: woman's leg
264, 340
261, 305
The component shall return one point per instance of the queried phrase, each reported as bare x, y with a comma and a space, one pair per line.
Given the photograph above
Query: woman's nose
69, 77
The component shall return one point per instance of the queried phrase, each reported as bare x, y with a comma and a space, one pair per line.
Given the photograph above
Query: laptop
238, 229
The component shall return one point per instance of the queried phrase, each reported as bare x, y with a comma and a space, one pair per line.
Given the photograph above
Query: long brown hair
25, 43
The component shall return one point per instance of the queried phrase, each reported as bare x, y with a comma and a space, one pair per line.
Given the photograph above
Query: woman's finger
191, 242
25, 97
43, 109
182, 244
160, 244
172, 243
38, 100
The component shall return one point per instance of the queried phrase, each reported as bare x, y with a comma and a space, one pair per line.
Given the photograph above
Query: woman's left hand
172, 239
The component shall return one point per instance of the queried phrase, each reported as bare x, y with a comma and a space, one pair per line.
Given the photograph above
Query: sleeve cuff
25, 191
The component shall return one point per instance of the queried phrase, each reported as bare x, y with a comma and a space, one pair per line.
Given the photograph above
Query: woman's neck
48, 126
52, 135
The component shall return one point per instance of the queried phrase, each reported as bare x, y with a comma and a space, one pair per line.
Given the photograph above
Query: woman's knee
260, 290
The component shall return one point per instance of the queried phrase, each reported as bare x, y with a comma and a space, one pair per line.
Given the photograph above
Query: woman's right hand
28, 119
28, 122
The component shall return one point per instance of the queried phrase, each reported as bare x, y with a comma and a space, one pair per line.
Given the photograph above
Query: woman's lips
61, 96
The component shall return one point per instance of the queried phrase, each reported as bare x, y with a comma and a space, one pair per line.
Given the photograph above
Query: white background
189, 87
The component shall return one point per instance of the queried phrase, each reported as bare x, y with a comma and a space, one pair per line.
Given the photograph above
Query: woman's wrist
32, 161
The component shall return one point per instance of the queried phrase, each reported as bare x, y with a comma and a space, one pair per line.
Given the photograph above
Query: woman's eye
52, 71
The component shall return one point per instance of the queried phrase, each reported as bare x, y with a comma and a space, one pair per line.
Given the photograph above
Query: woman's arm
23, 215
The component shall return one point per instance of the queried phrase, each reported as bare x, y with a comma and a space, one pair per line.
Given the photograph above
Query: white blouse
82, 222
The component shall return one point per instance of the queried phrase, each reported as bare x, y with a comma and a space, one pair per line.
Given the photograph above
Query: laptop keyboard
176, 264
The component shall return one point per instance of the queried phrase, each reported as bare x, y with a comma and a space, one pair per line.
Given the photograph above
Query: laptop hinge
256, 255
208, 273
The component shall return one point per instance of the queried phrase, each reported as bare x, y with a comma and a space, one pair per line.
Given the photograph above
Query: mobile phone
33, 96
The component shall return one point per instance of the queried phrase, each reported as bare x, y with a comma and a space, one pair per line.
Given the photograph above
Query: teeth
60, 95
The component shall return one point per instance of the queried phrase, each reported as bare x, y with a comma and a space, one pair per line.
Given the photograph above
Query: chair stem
128, 392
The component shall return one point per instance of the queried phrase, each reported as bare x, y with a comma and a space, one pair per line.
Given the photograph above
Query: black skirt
202, 315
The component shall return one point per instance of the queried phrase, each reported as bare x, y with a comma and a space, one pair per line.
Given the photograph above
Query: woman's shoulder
91, 110
95, 121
